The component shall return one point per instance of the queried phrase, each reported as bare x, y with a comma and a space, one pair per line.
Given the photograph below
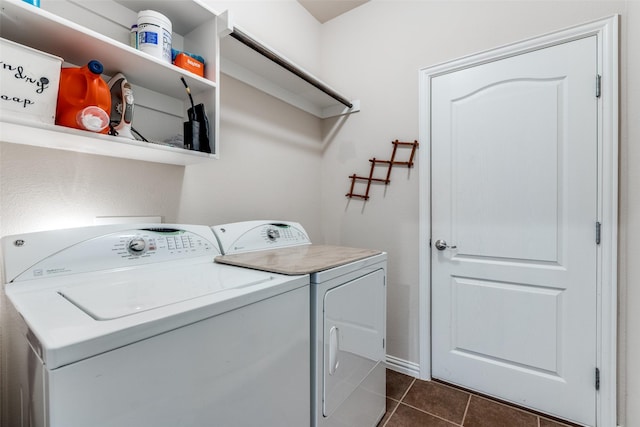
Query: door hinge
598, 85
598, 227
597, 379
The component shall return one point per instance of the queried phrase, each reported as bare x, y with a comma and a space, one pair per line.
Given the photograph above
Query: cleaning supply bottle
84, 99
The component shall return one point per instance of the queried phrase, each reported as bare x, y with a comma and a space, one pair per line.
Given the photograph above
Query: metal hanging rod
264, 51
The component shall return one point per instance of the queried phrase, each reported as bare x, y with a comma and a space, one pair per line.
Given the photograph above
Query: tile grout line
433, 415
513, 406
399, 402
407, 390
517, 408
464, 417
391, 415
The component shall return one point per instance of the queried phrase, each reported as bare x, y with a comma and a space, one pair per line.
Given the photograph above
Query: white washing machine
136, 326
348, 312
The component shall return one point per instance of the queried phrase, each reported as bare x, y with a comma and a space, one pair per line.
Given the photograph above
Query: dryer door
354, 331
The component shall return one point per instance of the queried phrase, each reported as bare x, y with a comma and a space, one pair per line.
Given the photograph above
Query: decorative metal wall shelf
376, 162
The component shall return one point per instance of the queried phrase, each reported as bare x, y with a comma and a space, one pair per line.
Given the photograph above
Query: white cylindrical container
154, 34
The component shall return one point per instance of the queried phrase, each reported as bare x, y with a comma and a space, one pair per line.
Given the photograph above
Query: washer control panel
252, 236
161, 243
126, 248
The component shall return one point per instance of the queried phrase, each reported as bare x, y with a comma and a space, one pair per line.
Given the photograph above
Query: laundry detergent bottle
84, 99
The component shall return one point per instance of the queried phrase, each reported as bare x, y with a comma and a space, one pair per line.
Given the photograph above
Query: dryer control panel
120, 249
249, 236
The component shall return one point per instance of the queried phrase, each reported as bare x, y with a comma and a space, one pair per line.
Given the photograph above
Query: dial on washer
273, 234
136, 246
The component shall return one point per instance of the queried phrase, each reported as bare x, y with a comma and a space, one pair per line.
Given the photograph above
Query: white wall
282, 25
270, 152
43, 189
375, 52
629, 268
269, 165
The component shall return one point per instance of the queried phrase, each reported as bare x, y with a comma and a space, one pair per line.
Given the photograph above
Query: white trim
403, 366
608, 212
606, 31
424, 237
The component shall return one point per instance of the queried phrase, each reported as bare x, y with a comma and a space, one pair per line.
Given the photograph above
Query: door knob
441, 245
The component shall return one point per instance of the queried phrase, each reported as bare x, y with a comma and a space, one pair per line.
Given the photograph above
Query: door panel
482, 333
487, 224
514, 193
354, 330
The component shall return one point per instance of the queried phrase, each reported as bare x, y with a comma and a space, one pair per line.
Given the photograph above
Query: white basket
29, 81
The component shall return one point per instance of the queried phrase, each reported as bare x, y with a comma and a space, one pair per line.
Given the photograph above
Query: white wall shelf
68, 139
62, 28
250, 61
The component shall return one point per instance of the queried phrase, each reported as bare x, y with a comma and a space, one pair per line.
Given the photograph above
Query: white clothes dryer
348, 314
136, 326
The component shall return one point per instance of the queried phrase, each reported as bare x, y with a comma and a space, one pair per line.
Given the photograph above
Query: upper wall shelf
75, 43
248, 60
67, 139
80, 31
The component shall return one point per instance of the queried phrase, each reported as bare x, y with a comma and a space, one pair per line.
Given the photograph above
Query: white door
514, 196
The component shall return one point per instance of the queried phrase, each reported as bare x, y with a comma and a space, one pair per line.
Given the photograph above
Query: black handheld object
196, 130
199, 128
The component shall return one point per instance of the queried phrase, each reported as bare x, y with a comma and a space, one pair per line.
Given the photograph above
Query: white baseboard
403, 366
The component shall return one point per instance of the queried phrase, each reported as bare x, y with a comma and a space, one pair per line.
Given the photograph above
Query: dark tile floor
416, 403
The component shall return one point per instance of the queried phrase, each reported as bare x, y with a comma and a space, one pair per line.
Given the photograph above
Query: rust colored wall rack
390, 163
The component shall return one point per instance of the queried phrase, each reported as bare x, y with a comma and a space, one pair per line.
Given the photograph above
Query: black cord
192, 116
138, 134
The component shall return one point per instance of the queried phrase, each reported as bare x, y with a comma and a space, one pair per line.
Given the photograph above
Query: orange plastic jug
84, 99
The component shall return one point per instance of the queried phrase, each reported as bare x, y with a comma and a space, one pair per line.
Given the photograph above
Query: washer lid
111, 299
74, 317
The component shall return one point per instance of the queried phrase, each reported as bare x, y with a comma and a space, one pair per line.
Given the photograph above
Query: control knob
273, 234
136, 246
